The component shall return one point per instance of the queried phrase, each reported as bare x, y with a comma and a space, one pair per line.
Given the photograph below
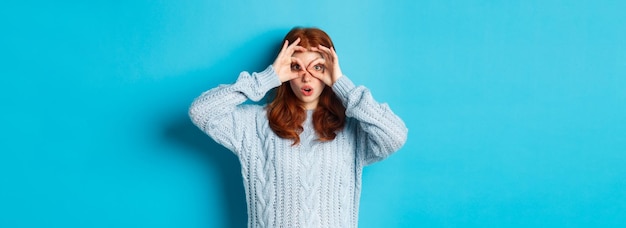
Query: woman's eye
318, 67
295, 67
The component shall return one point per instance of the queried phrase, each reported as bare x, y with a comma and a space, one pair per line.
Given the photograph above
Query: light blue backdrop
516, 109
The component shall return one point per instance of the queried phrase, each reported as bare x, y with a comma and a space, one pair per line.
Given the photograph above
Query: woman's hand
326, 69
284, 62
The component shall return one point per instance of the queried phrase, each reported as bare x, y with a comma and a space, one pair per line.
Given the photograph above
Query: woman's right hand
284, 61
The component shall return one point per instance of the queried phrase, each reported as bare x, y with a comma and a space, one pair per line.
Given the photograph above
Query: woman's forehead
307, 55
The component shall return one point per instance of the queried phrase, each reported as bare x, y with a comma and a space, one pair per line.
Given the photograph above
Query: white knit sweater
313, 184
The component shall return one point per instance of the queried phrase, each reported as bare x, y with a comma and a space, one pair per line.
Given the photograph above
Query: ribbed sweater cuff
267, 79
342, 87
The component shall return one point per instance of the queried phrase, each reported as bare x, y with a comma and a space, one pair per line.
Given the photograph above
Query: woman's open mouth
307, 90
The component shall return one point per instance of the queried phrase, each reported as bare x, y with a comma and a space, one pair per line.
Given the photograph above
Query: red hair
286, 113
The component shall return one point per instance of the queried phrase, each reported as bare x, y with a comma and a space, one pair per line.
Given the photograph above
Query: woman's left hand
326, 69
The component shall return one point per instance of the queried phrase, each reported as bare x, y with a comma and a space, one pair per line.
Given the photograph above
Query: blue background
516, 109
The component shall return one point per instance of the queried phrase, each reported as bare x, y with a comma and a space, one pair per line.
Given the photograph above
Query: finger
332, 54
298, 62
326, 52
285, 45
324, 49
293, 47
295, 42
292, 67
299, 48
316, 63
332, 49
282, 50
328, 56
317, 68
315, 49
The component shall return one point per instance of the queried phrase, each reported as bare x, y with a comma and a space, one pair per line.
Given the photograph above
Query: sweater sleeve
381, 131
218, 112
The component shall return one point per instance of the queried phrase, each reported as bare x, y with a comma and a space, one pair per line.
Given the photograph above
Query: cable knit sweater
313, 184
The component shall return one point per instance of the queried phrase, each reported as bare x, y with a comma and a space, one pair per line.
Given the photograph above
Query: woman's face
306, 87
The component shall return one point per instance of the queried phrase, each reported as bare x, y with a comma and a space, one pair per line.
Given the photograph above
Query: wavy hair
286, 112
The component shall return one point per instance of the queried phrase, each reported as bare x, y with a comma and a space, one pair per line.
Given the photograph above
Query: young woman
302, 154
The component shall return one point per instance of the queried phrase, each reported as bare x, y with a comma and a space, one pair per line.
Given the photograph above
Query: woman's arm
218, 113
382, 130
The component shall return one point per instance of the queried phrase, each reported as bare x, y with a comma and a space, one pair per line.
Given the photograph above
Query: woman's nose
306, 76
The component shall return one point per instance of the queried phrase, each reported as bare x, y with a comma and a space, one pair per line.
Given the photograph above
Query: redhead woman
302, 154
